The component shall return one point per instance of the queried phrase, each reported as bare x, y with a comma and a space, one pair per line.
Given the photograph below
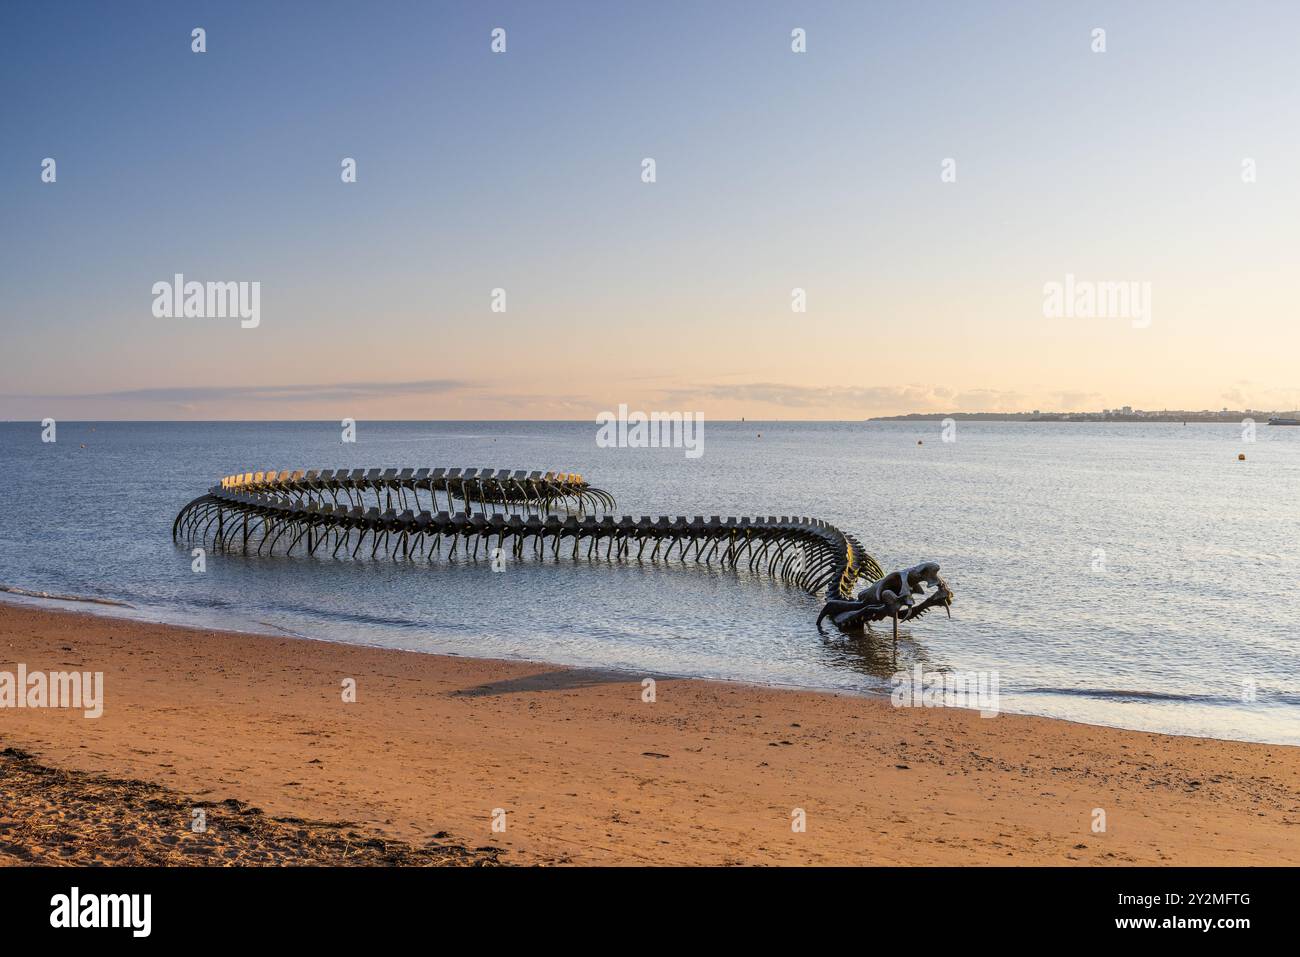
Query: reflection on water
875, 653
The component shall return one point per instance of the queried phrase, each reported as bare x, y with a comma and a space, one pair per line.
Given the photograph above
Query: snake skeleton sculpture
433, 513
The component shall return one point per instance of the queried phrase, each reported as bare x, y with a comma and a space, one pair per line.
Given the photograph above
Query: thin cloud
1078, 401
914, 398
335, 391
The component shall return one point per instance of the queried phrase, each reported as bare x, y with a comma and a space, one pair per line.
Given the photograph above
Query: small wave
1119, 694
333, 615
50, 596
283, 630
210, 603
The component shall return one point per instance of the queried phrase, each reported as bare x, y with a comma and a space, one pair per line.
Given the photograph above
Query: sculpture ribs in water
436, 512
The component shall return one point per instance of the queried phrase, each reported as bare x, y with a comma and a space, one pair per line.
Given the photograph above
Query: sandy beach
255, 732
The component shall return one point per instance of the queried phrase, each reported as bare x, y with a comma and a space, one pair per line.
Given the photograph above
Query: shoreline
587, 772
121, 610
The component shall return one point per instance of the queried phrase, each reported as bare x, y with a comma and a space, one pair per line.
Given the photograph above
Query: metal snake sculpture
320, 509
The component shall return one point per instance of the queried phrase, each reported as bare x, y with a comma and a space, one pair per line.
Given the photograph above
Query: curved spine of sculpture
430, 513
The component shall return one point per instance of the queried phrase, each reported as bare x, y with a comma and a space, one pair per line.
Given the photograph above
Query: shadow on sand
560, 680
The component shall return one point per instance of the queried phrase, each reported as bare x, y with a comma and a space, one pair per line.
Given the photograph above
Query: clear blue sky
775, 170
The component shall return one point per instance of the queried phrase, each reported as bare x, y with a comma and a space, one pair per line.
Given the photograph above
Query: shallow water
1126, 574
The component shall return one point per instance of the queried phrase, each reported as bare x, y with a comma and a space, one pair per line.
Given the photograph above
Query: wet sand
436, 750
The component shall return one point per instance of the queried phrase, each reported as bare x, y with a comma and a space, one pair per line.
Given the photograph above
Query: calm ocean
1134, 575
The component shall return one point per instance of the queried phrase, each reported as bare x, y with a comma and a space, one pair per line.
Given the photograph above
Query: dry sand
255, 730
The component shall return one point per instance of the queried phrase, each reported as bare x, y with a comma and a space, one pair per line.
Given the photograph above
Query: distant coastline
1234, 417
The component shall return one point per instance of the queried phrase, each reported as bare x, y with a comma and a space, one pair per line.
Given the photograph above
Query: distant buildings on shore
1122, 414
